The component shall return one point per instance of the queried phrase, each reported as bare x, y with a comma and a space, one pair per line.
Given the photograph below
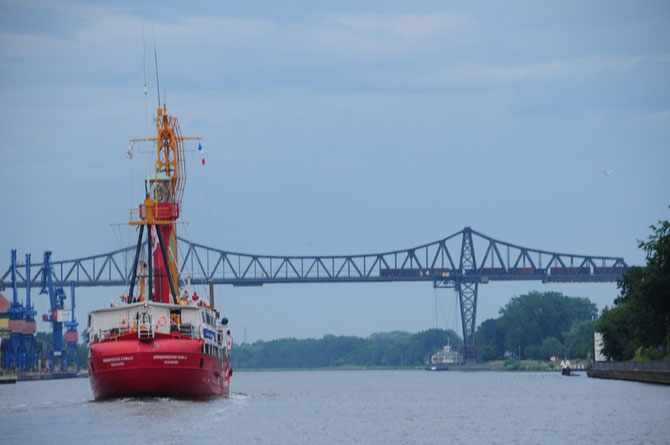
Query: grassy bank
534, 365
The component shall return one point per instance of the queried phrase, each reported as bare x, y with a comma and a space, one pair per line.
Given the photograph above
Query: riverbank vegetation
538, 325
393, 349
637, 327
45, 346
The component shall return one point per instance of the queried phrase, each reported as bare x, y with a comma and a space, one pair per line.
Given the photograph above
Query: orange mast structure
160, 209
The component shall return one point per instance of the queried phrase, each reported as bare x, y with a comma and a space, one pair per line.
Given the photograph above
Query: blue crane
20, 349
63, 355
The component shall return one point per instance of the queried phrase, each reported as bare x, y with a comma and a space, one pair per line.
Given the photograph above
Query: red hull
164, 366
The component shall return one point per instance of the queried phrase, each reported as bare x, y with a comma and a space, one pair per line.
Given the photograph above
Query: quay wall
649, 372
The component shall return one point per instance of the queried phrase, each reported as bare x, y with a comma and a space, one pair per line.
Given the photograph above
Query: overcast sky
352, 127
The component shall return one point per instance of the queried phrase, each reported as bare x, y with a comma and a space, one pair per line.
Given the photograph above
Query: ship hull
172, 367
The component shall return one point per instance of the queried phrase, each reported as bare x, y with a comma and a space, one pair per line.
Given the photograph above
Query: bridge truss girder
462, 261
465, 255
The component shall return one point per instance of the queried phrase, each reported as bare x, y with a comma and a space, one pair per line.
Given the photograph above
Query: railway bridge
462, 261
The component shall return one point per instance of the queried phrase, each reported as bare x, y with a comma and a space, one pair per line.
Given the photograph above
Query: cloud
465, 73
97, 40
633, 84
383, 35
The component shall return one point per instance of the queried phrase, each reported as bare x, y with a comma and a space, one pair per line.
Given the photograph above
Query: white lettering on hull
117, 361
170, 359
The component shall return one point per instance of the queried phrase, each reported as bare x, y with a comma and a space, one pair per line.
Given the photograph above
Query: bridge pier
467, 296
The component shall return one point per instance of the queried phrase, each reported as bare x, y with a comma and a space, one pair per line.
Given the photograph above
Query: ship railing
108, 334
146, 332
143, 332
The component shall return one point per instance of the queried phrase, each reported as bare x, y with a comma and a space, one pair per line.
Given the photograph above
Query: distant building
598, 347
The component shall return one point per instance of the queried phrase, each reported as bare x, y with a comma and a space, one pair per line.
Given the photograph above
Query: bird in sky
607, 172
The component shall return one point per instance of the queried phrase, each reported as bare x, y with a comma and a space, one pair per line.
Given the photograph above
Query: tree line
393, 349
539, 325
638, 325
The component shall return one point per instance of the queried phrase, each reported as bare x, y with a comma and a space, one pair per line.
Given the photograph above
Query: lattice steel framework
462, 261
467, 294
445, 261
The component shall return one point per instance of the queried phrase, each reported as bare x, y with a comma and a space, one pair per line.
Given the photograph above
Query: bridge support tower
467, 289
467, 296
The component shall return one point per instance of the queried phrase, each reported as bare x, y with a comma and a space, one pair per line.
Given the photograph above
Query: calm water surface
350, 407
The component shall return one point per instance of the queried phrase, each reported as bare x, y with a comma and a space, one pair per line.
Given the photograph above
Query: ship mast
160, 210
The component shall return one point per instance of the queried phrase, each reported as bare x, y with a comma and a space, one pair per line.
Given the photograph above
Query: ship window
159, 189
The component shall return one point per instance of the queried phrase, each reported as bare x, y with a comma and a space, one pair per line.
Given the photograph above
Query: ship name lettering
170, 357
117, 359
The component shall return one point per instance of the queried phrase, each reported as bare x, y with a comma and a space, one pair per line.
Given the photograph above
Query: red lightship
159, 342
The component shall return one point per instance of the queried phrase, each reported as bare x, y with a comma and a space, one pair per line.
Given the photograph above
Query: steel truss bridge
461, 261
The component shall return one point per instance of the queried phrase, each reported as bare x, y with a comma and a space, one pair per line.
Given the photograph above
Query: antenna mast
158, 87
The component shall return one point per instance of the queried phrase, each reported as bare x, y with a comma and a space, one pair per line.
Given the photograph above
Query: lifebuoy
162, 321
125, 324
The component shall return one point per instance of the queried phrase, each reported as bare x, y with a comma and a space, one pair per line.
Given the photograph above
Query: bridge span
461, 261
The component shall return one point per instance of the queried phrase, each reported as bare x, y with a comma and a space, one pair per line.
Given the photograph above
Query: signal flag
202, 155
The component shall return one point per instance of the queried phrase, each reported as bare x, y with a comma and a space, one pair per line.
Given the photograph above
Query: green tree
550, 346
616, 326
490, 336
640, 317
488, 353
579, 339
531, 318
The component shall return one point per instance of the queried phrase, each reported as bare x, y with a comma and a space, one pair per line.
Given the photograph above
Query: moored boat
566, 368
442, 359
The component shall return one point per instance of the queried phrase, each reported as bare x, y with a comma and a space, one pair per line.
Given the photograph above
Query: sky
340, 128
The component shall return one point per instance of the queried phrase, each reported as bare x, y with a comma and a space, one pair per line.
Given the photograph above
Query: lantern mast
160, 210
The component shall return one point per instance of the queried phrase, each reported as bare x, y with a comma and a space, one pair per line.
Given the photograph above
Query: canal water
323, 407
